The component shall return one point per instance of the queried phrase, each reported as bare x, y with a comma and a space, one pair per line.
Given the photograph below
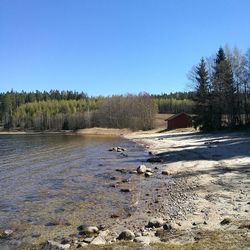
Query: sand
217, 166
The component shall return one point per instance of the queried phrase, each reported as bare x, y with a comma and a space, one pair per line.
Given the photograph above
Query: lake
50, 184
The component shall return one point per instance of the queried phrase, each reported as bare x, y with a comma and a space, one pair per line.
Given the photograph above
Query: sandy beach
216, 166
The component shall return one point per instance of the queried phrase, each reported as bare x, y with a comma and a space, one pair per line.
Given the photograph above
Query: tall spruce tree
223, 106
202, 107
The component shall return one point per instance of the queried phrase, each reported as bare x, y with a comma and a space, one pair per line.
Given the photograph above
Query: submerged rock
126, 235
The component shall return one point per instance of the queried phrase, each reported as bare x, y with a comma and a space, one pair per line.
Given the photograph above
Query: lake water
50, 184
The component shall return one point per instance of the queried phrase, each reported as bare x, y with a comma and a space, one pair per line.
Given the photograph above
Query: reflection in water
46, 176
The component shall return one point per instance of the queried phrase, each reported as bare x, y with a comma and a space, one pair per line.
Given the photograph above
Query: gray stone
7, 232
53, 245
88, 229
165, 172
126, 235
148, 174
125, 190
98, 241
167, 226
226, 221
156, 222
141, 169
146, 240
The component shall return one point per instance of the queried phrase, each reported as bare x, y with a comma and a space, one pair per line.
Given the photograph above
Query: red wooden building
181, 120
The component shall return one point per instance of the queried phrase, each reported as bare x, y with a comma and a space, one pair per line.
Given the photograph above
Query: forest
222, 90
57, 110
68, 110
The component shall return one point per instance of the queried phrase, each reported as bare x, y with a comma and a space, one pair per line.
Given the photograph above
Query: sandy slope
217, 165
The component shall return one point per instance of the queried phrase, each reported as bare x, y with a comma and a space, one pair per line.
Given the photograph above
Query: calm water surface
62, 178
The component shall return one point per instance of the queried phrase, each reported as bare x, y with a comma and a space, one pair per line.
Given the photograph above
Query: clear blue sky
105, 47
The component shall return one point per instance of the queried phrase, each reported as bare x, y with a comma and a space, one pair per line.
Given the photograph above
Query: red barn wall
180, 121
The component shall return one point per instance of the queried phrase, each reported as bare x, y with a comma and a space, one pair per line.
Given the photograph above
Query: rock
114, 216
165, 172
7, 232
226, 221
167, 226
87, 229
126, 235
65, 241
122, 170
125, 190
98, 241
101, 227
149, 170
124, 154
81, 244
141, 169
146, 240
148, 174
53, 245
88, 240
157, 222
125, 180
35, 235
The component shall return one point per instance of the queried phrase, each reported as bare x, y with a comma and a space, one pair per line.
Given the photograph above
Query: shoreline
86, 131
205, 182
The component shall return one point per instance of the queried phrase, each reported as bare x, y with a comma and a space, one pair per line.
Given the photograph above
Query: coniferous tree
202, 107
223, 106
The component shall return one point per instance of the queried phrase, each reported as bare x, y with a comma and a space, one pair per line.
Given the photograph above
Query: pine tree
202, 107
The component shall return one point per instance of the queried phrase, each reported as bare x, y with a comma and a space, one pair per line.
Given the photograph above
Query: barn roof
176, 115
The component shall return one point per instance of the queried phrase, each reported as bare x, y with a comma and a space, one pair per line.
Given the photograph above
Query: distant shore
87, 131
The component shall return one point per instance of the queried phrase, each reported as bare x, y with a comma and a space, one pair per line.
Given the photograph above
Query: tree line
65, 110
222, 90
